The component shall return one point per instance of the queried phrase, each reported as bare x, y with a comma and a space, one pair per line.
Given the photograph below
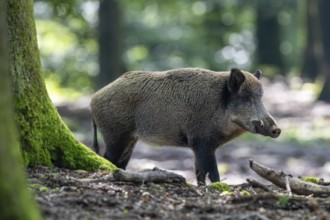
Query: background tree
71, 62
208, 34
268, 35
162, 35
110, 40
312, 53
15, 199
44, 138
324, 5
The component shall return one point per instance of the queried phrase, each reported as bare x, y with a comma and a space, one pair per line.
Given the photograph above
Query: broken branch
287, 185
297, 186
155, 175
257, 184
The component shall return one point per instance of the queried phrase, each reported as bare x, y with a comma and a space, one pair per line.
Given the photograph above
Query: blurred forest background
84, 45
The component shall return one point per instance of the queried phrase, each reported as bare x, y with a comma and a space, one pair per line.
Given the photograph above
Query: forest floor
67, 194
302, 150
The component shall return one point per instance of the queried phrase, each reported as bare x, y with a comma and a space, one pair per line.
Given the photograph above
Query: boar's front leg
205, 163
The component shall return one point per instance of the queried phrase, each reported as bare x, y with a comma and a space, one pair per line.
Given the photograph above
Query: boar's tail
95, 142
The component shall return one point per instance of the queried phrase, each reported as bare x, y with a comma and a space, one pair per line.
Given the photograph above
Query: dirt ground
65, 194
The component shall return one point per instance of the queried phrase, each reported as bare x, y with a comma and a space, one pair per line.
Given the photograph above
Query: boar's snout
275, 132
266, 129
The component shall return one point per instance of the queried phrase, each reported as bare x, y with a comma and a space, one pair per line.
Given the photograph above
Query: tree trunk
44, 138
324, 6
110, 42
312, 55
268, 36
15, 199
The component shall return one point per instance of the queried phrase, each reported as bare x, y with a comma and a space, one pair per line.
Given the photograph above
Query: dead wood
155, 175
106, 178
287, 185
257, 184
297, 186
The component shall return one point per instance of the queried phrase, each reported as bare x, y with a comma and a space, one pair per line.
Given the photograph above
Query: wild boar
188, 107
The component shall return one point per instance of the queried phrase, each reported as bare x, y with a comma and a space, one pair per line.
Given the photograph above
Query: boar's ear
257, 73
236, 78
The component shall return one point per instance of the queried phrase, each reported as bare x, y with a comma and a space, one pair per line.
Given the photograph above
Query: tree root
155, 175
288, 182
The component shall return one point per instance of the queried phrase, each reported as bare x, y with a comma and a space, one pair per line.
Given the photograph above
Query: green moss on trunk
44, 137
15, 200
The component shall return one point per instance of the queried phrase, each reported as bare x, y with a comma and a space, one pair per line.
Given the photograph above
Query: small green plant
43, 189
283, 200
220, 186
310, 179
38, 186
245, 193
35, 185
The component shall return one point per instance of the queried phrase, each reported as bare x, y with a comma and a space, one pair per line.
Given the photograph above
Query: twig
297, 186
257, 184
287, 185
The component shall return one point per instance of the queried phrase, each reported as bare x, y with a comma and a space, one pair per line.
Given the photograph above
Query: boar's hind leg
119, 149
205, 163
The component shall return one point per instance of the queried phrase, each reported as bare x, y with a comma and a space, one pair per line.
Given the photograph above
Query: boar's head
245, 107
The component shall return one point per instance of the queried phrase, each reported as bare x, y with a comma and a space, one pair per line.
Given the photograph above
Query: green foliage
158, 35
67, 61
59, 93
203, 34
67, 42
62, 7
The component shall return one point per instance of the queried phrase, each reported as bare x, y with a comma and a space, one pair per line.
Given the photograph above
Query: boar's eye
257, 73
